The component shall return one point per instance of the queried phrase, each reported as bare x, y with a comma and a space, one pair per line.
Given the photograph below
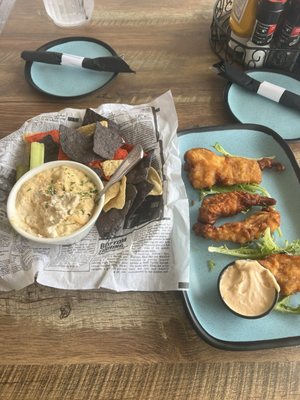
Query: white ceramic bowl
74, 237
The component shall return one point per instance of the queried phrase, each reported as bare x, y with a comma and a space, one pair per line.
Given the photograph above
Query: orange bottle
242, 19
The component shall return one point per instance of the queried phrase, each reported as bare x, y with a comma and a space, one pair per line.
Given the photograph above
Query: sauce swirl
248, 288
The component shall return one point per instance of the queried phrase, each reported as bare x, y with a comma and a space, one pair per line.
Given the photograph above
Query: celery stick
21, 169
37, 152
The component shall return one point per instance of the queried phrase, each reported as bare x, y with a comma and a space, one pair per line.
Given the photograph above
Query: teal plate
213, 321
248, 107
64, 81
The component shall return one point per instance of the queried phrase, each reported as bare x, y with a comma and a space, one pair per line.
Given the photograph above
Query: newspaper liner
153, 255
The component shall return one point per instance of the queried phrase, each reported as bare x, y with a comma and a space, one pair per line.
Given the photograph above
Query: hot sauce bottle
267, 16
287, 38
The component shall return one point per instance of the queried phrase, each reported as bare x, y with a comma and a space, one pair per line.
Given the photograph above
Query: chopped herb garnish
211, 264
85, 194
51, 190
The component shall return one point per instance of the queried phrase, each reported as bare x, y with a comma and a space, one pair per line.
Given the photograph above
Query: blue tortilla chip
51, 148
107, 140
91, 117
76, 146
143, 189
139, 172
109, 223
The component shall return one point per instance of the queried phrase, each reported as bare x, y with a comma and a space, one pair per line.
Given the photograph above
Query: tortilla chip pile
98, 143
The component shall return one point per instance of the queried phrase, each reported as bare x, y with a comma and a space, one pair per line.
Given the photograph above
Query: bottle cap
270, 5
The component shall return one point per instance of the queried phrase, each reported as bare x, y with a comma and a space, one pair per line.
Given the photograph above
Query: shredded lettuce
211, 264
247, 187
284, 305
220, 149
264, 247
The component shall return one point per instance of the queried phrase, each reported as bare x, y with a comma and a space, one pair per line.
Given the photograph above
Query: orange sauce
248, 288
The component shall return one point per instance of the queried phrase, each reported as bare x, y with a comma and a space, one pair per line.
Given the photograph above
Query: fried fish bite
231, 203
205, 169
286, 269
241, 232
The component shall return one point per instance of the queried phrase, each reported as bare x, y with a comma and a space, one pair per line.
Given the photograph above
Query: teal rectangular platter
212, 320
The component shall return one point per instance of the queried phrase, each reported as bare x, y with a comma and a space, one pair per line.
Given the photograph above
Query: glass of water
69, 13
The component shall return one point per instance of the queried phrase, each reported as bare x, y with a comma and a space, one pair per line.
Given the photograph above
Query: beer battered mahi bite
206, 169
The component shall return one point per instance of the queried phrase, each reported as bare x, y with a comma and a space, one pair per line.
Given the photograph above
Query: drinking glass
69, 13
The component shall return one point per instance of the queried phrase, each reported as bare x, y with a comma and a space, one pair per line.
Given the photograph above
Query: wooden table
59, 344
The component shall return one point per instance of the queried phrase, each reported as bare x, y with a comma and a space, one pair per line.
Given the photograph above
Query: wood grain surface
59, 344
5, 9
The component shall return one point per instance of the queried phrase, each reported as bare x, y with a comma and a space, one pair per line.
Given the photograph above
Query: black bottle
287, 38
267, 17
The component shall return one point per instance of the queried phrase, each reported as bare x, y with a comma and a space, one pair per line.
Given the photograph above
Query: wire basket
229, 49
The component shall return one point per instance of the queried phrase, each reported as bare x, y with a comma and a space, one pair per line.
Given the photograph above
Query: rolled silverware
107, 64
266, 89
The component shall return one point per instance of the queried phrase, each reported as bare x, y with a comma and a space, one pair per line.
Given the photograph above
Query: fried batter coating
205, 169
241, 232
286, 269
231, 203
269, 163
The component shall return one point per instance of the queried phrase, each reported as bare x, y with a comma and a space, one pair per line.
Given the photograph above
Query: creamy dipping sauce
56, 202
248, 288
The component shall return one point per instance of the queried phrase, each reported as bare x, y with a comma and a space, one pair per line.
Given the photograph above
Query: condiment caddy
257, 33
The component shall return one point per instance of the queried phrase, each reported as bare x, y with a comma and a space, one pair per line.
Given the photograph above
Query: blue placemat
248, 107
64, 81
